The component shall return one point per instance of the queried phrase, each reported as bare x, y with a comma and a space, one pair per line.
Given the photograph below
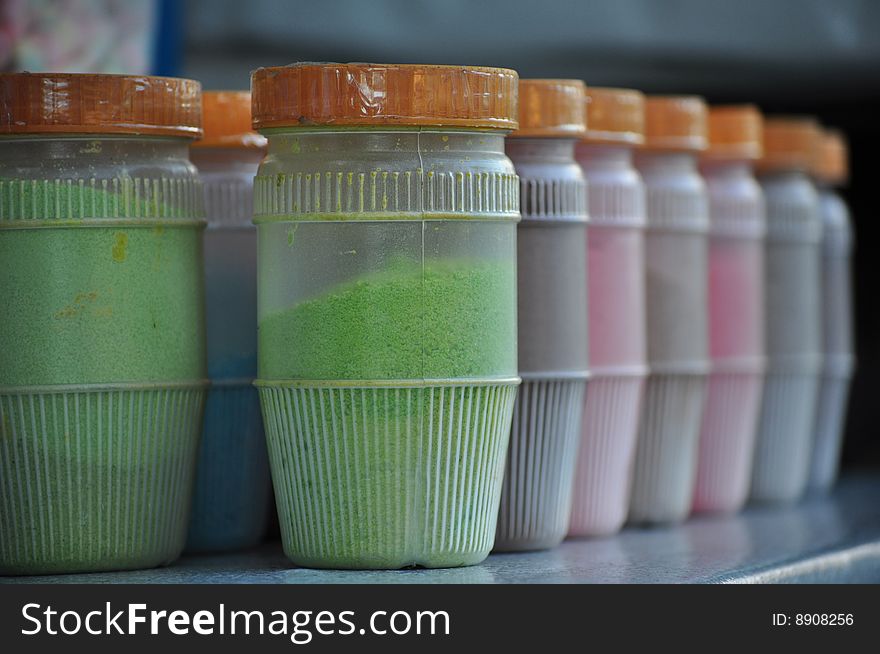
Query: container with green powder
387, 366
102, 360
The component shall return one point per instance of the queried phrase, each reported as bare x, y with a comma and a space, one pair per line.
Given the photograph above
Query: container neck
604, 157
727, 168
218, 159
551, 182
792, 174
540, 150
379, 141
827, 187
78, 152
683, 162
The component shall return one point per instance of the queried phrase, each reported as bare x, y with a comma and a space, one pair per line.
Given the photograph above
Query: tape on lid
356, 94
74, 103
831, 163
675, 123
735, 132
615, 116
551, 108
790, 143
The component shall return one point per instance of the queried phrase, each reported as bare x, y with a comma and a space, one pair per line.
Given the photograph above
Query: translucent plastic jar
232, 481
102, 363
736, 309
677, 332
830, 172
552, 310
616, 275
793, 311
386, 216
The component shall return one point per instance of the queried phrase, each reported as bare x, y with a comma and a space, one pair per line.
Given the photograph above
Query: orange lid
306, 94
675, 122
47, 103
831, 164
790, 143
551, 107
615, 116
734, 132
226, 116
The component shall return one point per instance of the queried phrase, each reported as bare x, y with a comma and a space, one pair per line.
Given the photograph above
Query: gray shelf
823, 539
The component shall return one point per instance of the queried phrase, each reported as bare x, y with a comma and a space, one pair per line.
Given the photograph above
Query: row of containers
491, 313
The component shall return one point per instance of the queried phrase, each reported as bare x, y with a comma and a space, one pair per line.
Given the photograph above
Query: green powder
96, 480
388, 477
392, 477
97, 304
451, 319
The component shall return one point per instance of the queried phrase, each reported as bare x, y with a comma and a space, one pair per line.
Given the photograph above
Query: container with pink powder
616, 271
736, 308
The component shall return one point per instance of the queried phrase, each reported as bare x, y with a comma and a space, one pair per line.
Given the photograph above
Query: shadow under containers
793, 311
616, 279
552, 311
231, 498
102, 352
386, 216
676, 259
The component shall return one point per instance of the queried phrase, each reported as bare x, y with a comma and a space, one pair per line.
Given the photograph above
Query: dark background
789, 56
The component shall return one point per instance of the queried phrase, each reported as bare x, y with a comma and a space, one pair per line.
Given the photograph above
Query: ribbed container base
387, 477
537, 490
666, 452
231, 494
785, 437
727, 441
96, 480
605, 457
833, 394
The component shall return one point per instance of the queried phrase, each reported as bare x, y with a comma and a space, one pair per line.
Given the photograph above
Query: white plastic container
232, 478
837, 311
616, 275
793, 317
552, 316
676, 276
736, 309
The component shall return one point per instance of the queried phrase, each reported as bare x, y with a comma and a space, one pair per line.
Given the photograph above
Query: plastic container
386, 216
677, 332
616, 272
736, 309
793, 317
232, 479
552, 310
102, 364
831, 171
